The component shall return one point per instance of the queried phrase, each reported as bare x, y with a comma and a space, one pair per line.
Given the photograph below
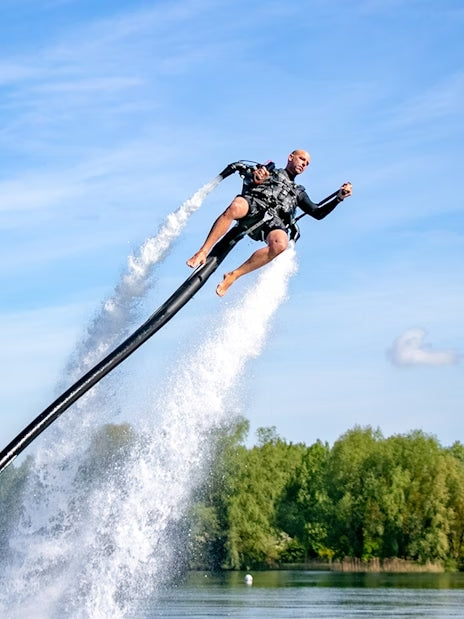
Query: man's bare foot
226, 283
197, 259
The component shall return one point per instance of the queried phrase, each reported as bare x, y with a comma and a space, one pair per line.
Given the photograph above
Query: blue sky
114, 113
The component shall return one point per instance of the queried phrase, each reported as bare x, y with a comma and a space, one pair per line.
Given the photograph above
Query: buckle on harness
258, 224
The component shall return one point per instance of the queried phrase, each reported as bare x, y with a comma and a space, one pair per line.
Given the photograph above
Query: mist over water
95, 547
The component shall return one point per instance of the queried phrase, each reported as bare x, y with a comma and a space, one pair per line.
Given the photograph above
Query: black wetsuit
276, 200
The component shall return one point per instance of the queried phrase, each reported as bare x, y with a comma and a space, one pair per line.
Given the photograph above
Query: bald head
299, 151
297, 162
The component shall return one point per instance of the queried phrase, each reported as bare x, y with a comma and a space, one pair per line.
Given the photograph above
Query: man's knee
237, 209
277, 241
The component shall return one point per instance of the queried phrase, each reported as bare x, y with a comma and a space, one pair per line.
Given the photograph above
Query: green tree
208, 518
455, 488
425, 519
305, 505
254, 538
351, 483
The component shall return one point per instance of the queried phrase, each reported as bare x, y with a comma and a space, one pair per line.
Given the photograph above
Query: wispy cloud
443, 100
410, 349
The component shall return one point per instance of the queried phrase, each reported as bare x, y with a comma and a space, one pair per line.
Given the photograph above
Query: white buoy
248, 579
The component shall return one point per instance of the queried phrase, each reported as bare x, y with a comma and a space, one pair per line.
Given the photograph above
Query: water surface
312, 595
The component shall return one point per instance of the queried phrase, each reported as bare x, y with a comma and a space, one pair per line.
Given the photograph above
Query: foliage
367, 497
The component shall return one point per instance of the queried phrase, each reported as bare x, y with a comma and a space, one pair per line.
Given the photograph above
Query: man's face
298, 162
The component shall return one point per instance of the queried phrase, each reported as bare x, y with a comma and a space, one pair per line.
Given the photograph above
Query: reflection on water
312, 595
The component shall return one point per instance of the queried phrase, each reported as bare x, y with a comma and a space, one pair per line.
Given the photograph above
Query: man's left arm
319, 212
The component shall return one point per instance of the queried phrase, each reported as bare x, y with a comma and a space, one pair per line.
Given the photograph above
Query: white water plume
97, 550
117, 312
106, 330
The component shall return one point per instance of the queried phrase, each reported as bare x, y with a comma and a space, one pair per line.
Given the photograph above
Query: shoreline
392, 565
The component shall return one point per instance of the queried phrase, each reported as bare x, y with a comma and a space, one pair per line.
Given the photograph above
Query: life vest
278, 193
275, 198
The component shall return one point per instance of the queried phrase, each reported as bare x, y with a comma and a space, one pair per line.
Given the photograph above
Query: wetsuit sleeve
312, 209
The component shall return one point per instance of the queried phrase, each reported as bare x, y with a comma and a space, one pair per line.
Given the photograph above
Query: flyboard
157, 320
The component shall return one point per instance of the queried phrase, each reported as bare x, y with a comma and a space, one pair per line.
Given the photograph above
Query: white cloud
410, 349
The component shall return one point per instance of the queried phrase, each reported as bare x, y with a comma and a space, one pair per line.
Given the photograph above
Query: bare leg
237, 209
277, 242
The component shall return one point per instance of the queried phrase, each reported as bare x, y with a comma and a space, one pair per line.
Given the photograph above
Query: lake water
311, 595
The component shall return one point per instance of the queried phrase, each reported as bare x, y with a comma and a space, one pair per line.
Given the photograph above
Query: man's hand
345, 191
260, 175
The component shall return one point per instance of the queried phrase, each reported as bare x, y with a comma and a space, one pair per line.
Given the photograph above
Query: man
273, 196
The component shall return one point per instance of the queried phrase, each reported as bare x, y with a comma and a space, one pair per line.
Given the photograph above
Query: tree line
277, 503
366, 497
